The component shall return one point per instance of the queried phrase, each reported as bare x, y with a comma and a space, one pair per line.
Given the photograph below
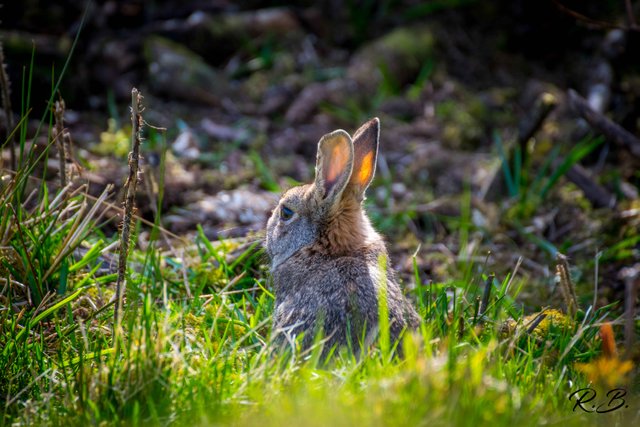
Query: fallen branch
528, 127
631, 277
536, 322
602, 124
631, 20
594, 24
599, 196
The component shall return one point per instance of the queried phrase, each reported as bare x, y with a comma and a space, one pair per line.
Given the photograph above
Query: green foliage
352, 111
529, 187
196, 343
114, 141
267, 180
196, 350
365, 16
207, 360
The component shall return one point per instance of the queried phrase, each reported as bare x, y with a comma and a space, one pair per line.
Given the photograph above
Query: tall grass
195, 345
205, 358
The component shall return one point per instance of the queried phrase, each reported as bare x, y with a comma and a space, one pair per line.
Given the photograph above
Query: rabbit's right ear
333, 165
365, 154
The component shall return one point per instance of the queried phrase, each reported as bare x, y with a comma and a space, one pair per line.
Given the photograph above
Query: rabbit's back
339, 295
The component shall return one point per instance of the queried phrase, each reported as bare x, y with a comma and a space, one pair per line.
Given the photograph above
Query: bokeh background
246, 89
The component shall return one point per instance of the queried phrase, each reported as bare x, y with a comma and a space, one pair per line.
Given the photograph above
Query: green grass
200, 355
195, 347
532, 186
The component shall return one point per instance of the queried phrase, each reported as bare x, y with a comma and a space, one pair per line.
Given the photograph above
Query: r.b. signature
587, 400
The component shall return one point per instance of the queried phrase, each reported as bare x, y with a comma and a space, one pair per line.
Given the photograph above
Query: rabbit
326, 257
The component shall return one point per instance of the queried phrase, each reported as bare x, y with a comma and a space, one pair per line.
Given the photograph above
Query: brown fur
345, 228
325, 256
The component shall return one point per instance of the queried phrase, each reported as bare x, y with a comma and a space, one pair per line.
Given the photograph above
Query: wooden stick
589, 22
6, 105
602, 124
599, 196
544, 105
631, 277
129, 204
566, 285
631, 20
58, 113
536, 322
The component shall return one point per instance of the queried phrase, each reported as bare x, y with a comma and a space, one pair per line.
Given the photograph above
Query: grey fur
331, 279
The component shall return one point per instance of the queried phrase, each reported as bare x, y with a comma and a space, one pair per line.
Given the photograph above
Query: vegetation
194, 345
108, 317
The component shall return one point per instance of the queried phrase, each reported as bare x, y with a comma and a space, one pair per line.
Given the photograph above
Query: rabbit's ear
365, 146
333, 165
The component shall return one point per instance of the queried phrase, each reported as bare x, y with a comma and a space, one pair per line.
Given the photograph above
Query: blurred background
484, 164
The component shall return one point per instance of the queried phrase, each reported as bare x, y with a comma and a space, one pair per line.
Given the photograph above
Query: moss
554, 320
212, 276
114, 141
462, 122
399, 55
177, 71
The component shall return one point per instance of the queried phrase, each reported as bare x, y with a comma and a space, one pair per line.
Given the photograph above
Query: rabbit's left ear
365, 147
333, 166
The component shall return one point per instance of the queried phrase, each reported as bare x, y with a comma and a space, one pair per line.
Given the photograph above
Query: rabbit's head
328, 213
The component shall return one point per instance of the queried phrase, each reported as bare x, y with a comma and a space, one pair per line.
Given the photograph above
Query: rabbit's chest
319, 292
316, 282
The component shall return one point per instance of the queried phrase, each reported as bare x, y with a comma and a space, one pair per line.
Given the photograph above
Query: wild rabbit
325, 255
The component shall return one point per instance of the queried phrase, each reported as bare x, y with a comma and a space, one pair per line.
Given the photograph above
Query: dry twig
68, 166
599, 196
58, 130
536, 322
631, 277
631, 20
602, 124
6, 106
595, 23
129, 202
566, 285
529, 125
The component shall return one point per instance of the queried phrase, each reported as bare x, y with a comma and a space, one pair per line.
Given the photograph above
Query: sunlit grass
202, 356
196, 350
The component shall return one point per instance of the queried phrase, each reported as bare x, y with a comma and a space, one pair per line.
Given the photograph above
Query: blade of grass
581, 150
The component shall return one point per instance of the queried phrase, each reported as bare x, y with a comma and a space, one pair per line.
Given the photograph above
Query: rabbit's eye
285, 213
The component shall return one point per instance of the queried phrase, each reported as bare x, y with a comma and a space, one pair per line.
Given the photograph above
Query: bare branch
604, 125
129, 204
590, 22
631, 20
6, 105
